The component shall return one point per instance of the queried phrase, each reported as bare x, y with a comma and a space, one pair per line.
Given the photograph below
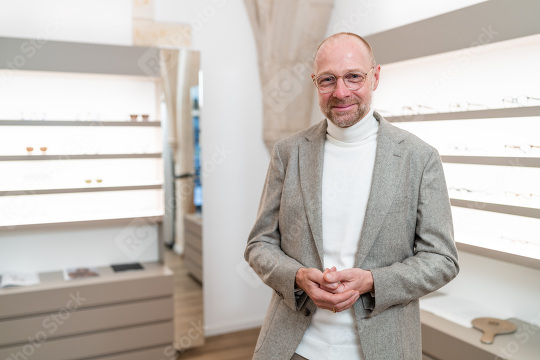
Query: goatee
347, 119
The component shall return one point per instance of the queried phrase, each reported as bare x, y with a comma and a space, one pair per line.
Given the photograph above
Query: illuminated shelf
499, 255
77, 123
525, 111
492, 160
498, 208
151, 218
79, 190
78, 157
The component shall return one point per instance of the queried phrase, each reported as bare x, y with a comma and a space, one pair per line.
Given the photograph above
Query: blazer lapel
388, 163
311, 153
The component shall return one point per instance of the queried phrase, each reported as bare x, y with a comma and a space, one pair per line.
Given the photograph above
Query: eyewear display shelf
116, 315
37, 124
509, 161
437, 60
443, 339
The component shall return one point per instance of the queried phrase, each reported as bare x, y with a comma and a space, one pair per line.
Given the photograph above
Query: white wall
372, 16
234, 157
86, 21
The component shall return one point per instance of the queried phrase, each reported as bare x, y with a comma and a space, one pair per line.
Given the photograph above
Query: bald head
353, 39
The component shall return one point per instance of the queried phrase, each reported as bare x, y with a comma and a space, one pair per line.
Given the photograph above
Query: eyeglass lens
353, 81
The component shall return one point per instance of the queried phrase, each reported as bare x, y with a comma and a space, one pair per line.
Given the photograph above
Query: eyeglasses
518, 101
522, 196
353, 80
466, 106
417, 109
523, 148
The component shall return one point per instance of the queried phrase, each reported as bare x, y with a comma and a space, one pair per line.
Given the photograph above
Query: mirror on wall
182, 235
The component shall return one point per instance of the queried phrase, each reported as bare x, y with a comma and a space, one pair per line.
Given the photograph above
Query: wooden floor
234, 346
189, 333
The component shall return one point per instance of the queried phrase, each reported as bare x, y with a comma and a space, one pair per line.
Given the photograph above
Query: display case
64, 166
486, 128
81, 158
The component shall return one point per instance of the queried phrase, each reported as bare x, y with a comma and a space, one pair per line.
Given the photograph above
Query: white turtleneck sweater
349, 158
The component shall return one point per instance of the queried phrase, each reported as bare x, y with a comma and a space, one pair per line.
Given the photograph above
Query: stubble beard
348, 119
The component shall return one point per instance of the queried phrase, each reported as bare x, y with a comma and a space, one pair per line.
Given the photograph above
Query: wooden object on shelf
128, 314
193, 245
492, 327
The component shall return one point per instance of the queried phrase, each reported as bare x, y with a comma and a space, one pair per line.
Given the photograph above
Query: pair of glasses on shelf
519, 241
465, 191
417, 109
522, 100
453, 107
466, 106
522, 148
464, 148
522, 196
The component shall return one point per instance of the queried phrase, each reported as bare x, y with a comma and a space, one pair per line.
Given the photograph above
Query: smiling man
354, 225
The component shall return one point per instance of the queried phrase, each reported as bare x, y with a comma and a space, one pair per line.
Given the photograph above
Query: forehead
338, 55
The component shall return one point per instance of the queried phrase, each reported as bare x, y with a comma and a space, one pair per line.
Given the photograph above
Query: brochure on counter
18, 279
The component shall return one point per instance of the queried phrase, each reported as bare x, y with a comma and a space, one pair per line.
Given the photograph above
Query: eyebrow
346, 71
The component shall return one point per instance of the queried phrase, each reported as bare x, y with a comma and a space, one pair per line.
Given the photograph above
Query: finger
326, 300
330, 278
336, 290
345, 305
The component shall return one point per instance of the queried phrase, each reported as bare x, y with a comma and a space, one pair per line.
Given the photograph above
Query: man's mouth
343, 107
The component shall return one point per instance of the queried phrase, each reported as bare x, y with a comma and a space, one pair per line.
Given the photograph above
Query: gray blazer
406, 241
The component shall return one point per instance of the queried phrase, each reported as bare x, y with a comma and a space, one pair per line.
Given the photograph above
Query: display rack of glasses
488, 141
53, 177
79, 146
81, 187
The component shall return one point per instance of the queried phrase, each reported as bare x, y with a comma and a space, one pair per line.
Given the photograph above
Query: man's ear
376, 75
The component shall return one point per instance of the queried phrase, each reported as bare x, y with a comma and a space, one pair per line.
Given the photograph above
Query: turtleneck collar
366, 127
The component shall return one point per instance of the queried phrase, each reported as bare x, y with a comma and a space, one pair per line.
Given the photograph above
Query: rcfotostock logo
281, 90
136, 238
149, 62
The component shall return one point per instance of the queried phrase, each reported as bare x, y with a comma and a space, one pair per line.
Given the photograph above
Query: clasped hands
334, 290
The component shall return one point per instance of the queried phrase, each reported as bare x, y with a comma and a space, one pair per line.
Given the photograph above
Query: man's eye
354, 77
327, 80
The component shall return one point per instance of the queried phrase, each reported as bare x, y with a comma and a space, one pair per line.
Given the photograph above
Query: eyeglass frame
314, 79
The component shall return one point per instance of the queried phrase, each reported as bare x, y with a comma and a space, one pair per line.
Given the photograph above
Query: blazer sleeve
435, 256
263, 252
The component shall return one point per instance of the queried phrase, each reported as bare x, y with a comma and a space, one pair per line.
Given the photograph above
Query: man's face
345, 107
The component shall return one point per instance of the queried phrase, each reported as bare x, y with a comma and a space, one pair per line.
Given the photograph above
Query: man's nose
341, 91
